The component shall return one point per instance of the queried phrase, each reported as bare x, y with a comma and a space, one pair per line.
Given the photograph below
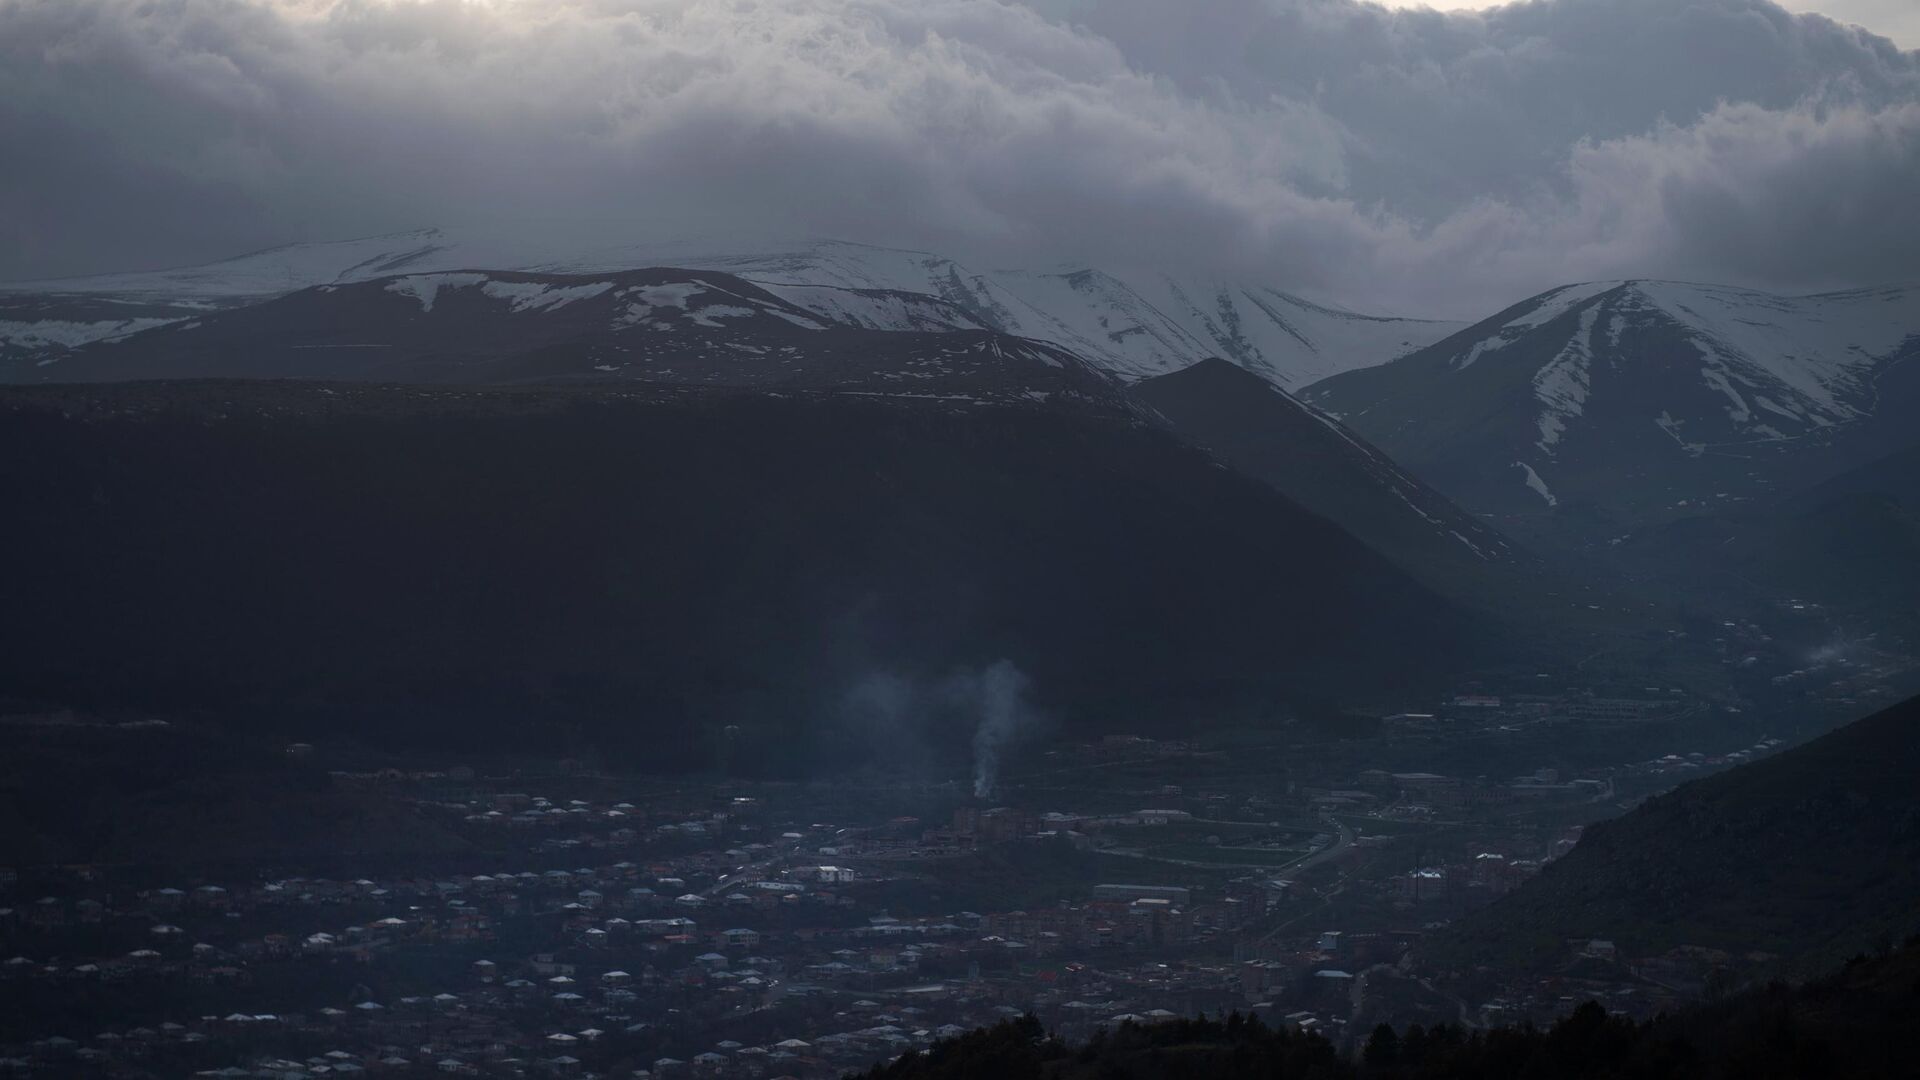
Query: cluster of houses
621, 981
707, 949
700, 935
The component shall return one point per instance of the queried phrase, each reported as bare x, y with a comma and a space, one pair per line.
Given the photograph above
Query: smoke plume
998, 695
900, 713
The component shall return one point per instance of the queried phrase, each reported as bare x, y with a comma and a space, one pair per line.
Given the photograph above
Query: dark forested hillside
1853, 1023
636, 568
1810, 855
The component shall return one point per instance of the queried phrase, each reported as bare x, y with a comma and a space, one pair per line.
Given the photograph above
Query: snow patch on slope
710, 315
672, 294
875, 309
1136, 326
425, 288
1816, 345
1665, 422
1563, 384
536, 296
1809, 362
1538, 485
44, 333
1545, 309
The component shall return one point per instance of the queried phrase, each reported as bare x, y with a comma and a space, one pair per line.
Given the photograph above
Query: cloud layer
1428, 162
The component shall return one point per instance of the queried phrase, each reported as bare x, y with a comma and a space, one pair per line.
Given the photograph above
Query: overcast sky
1895, 19
1414, 160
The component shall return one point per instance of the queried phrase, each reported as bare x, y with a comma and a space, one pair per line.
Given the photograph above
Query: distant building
1423, 886
1431, 788
1173, 894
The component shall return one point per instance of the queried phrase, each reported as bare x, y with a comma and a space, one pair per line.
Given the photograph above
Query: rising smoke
998, 695
899, 711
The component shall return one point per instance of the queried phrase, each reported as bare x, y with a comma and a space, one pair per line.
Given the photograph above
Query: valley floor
505, 918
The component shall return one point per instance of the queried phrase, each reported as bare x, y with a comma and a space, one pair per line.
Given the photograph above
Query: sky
1898, 20
1406, 160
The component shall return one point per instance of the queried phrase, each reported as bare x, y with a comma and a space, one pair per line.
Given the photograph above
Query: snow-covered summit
1625, 382
1777, 367
1133, 325
661, 325
1136, 325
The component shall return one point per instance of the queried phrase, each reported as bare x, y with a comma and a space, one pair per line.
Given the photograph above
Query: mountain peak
1681, 379
1214, 368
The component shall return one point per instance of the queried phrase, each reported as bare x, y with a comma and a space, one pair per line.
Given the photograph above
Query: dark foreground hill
634, 570
1811, 855
1856, 1023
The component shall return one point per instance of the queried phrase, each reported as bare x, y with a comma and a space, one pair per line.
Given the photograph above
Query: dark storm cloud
1415, 159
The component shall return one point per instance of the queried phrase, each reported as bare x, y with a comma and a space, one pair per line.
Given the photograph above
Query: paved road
1331, 851
1305, 862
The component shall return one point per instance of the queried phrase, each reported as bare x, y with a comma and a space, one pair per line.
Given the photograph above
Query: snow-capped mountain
41, 322
1642, 399
661, 326
1135, 326
671, 329
37, 329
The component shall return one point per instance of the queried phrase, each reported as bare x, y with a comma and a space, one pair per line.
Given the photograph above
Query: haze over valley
958, 538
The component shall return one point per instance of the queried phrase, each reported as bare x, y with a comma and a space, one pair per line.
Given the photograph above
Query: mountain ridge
1134, 325
663, 325
1641, 400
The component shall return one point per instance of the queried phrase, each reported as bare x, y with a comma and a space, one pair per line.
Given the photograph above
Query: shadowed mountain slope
1263, 432
635, 567
1812, 855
